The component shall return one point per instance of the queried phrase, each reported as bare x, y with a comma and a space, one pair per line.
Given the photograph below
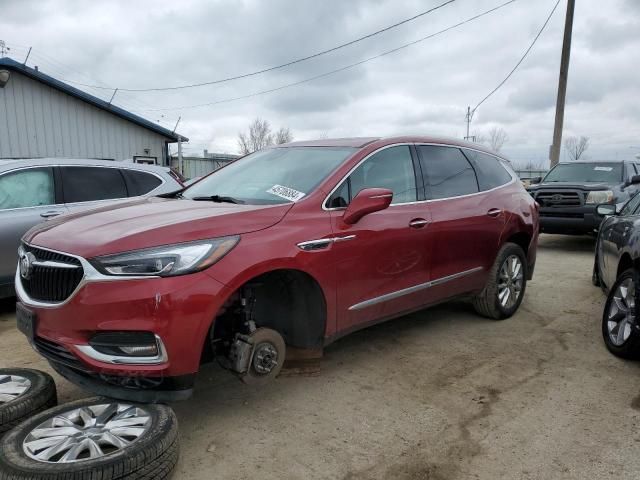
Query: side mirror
606, 209
535, 180
634, 181
367, 201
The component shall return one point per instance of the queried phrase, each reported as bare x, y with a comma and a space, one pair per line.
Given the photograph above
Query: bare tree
283, 135
576, 146
497, 138
258, 137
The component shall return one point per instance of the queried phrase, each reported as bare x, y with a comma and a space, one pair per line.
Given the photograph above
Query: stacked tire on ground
23, 393
94, 438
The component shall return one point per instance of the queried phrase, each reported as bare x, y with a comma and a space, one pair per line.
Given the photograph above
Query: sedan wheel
619, 323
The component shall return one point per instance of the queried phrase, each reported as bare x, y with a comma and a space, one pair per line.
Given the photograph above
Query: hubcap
621, 314
265, 358
12, 386
86, 433
510, 281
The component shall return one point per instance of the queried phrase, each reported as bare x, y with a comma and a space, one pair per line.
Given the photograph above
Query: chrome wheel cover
12, 386
621, 314
86, 433
510, 281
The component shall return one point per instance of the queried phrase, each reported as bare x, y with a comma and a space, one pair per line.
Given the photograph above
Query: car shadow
7, 307
569, 243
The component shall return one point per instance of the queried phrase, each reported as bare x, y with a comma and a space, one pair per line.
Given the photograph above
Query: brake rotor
267, 357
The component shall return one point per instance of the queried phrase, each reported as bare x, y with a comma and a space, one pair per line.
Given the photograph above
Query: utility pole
469, 118
562, 84
180, 163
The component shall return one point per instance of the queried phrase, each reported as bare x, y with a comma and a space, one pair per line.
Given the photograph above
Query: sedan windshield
586, 173
273, 176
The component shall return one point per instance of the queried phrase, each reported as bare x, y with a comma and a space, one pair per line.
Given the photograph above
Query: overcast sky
425, 88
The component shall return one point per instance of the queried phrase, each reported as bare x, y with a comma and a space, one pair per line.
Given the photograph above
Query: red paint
387, 255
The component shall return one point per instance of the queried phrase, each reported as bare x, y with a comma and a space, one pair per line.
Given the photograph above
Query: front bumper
570, 220
178, 310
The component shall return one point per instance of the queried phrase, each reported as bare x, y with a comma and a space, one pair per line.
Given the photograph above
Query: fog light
140, 350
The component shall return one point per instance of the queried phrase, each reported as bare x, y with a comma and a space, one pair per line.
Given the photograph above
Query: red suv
294, 246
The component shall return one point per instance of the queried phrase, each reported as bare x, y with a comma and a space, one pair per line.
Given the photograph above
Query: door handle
418, 223
50, 214
494, 212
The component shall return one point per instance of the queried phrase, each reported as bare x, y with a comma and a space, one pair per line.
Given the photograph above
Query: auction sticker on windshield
287, 193
603, 169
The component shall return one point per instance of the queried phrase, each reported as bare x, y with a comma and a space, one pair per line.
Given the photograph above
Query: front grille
559, 199
561, 215
57, 353
51, 283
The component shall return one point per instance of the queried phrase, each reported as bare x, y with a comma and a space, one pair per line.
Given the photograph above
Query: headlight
600, 196
167, 260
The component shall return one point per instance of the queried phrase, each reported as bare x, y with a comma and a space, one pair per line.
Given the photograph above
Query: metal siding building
43, 117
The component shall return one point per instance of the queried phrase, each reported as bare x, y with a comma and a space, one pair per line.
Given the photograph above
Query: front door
381, 260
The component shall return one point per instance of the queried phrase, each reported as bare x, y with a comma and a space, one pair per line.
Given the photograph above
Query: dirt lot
440, 394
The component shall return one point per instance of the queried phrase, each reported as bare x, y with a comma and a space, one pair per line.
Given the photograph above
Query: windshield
586, 173
273, 176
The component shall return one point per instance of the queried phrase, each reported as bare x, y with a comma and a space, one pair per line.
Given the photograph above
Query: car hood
150, 222
587, 186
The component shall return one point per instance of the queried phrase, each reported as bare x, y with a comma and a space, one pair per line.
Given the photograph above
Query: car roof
11, 164
361, 142
572, 162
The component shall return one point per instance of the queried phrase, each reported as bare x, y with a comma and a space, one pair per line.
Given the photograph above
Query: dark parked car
617, 270
570, 192
34, 190
292, 246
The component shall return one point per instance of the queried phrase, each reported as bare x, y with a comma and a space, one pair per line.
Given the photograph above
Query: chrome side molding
406, 291
322, 243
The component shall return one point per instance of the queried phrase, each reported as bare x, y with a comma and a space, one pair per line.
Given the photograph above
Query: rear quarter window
140, 183
489, 169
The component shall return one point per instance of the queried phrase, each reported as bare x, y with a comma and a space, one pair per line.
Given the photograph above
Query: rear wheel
505, 286
23, 393
619, 319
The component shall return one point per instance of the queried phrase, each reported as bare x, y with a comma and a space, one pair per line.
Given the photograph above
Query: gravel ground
441, 394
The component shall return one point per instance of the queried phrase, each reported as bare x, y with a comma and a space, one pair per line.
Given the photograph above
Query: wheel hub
265, 358
621, 317
510, 281
86, 433
12, 386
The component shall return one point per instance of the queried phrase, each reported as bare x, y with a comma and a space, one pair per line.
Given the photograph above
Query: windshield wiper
217, 199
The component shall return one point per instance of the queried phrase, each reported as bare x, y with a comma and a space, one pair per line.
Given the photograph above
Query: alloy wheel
12, 386
86, 433
510, 281
621, 314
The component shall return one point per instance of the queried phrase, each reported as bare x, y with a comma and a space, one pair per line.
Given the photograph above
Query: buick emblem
26, 265
556, 198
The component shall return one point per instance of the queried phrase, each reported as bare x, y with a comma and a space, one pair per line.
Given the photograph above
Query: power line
341, 69
277, 67
544, 26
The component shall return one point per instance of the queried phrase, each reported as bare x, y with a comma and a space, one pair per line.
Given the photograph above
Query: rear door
27, 197
86, 187
467, 219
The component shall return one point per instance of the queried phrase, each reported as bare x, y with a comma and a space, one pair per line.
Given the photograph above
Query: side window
447, 171
631, 207
31, 187
86, 184
490, 171
140, 183
390, 168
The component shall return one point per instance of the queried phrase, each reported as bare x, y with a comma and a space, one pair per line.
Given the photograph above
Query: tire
151, 430
488, 303
623, 338
595, 276
23, 393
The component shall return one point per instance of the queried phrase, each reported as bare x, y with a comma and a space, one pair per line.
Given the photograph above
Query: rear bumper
569, 220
